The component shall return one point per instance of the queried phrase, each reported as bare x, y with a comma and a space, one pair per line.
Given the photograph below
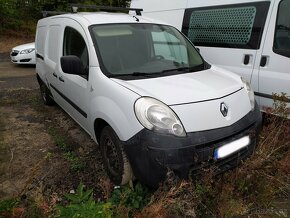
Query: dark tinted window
232, 26
282, 32
74, 44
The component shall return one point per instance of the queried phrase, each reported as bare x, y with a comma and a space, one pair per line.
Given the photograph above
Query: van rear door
274, 61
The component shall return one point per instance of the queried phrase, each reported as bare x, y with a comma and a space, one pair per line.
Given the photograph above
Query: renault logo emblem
224, 109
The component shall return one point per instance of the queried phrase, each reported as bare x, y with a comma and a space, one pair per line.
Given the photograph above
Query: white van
248, 37
145, 95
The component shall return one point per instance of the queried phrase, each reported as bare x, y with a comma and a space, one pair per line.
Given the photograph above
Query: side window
282, 31
169, 47
74, 44
53, 48
40, 39
230, 26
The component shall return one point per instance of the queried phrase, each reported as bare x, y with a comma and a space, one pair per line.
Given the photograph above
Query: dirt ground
33, 163
12, 41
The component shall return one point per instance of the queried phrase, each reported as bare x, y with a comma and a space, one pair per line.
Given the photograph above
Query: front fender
114, 104
121, 118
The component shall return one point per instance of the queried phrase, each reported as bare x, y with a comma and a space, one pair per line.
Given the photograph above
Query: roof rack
46, 13
75, 8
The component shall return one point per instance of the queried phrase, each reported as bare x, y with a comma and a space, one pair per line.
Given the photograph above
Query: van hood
188, 87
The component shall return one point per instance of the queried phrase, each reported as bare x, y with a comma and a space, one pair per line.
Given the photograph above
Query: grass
4, 148
37, 103
8, 205
82, 205
76, 164
2, 129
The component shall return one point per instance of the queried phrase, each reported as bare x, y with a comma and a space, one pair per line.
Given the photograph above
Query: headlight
250, 92
156, 116
27, 51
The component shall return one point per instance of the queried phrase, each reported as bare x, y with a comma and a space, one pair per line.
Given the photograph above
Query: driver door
76, 86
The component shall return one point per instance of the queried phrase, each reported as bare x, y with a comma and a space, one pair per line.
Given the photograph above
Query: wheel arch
99, 125
39, 80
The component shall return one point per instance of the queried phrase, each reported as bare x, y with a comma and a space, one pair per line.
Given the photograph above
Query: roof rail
75, 8
46, 13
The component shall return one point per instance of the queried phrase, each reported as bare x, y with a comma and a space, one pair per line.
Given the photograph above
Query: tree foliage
19, 14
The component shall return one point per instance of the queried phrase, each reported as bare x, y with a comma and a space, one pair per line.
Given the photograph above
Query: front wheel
114, 158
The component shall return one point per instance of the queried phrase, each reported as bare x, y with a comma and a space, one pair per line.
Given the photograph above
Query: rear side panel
41, 33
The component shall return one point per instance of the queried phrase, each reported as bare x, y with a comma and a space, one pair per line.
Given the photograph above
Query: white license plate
231, 147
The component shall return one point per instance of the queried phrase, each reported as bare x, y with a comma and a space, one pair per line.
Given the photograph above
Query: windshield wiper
153, 74
184, 69
187, 69
132, 74
141, 74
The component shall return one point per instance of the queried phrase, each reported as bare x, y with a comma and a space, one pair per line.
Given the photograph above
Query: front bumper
23, 58
151, 154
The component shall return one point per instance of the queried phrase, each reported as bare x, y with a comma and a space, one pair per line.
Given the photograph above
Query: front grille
221, 165
14, 53
25, 60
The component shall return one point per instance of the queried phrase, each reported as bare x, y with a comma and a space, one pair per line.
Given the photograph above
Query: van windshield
147, 50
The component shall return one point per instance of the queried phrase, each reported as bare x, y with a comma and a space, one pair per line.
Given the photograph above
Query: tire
45, 94
114, 158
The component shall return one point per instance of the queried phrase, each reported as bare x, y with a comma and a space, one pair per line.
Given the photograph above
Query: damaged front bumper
151, 154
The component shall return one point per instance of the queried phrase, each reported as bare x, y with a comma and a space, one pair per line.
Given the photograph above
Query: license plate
231, 147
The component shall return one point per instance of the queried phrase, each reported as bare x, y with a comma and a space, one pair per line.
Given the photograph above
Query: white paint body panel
188, 87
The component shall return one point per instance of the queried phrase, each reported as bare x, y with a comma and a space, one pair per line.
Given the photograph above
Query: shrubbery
20, 16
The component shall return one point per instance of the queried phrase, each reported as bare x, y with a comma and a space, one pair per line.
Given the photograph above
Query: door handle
264, 61
54, 74
61, 79
246, 59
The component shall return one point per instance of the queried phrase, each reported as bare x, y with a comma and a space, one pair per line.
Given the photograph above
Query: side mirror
72, 65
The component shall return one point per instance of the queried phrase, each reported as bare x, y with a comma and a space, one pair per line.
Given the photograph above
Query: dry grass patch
254, 189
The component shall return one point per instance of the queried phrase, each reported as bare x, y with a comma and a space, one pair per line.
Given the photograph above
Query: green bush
8, 205
82, 205
131, 197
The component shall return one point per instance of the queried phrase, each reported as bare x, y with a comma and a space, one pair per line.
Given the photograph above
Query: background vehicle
142, 91
23, 54
250, 38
